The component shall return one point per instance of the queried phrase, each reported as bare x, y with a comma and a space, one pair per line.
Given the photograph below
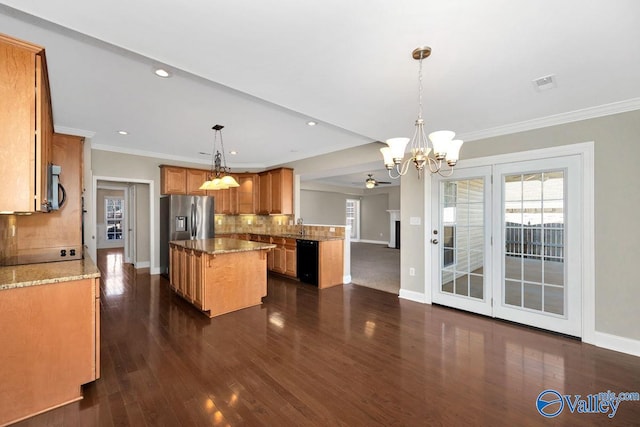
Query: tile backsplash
272, 224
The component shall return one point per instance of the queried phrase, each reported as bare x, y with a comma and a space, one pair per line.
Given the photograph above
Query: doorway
138, 230
507, 241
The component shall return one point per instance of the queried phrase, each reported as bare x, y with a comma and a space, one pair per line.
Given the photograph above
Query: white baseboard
143, 264
346, 279
413, 296
154, 270
375, 242
617, 343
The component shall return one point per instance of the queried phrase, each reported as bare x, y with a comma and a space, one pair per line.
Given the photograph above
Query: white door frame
131, 226
125, 218
585, 151
152, 226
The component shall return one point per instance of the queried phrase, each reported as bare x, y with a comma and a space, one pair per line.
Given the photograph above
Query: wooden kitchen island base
220, 275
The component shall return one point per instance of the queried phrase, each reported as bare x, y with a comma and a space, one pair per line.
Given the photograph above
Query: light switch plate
414, 220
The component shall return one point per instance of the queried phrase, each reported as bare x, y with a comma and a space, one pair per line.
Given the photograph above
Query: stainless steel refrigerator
184, 218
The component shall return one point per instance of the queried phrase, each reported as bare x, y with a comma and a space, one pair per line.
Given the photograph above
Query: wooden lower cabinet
50, 346
290, 268
218, 284
282, 259
330, 263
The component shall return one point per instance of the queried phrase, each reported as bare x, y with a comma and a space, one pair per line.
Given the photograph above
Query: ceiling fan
372, 182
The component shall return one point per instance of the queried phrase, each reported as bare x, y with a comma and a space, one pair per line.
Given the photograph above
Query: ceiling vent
544, 83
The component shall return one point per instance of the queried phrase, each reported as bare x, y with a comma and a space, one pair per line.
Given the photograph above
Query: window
353, 218
450, 189
113, 215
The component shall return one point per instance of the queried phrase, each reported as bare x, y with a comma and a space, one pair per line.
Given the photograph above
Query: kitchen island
50, 335
219, 275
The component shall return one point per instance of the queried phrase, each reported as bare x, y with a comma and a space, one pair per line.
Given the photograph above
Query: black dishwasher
307, 261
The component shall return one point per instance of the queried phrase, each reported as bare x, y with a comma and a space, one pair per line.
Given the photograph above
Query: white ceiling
264, 68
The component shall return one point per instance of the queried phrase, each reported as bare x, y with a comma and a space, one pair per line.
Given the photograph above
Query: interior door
537, 223
461, 240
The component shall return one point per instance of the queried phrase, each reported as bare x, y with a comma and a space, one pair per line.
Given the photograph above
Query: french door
511, 248
461, 241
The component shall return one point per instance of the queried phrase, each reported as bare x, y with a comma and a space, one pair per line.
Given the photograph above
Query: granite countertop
20, 276
222, 245
287, 236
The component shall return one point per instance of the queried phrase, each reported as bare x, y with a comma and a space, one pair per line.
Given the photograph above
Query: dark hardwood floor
344, 356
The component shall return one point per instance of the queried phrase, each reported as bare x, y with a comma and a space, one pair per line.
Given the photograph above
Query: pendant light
218, 178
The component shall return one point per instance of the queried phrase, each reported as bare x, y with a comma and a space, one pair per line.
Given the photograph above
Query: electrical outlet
219, 222
412, 271
248, 222
332, 229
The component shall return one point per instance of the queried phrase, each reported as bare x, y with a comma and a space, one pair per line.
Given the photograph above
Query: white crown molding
144, 153
73, 131
558, 119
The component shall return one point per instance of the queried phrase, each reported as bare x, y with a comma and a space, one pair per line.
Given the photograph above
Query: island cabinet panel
330, 263
50, 346
173, 180
234, 281
26, 126
219, 283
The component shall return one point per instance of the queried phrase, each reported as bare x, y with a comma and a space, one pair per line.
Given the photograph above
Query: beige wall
329, 207
374, 218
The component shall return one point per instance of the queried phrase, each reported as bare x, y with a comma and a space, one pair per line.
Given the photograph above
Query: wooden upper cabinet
25, 114
195, 178
246, 194
173, 180
282, 191
264, 191
276, 192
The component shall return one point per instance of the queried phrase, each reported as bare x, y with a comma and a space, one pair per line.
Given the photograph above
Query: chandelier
218, 178
443, 146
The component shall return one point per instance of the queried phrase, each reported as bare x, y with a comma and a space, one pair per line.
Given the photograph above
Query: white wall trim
616, 343
413, 296
154, 269
143, 264
375, 242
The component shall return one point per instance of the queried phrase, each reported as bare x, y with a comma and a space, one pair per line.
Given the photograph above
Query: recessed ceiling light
233, 152
312, 123
161, 72
123, 132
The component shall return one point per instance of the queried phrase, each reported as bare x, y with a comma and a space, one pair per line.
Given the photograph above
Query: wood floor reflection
348, 355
